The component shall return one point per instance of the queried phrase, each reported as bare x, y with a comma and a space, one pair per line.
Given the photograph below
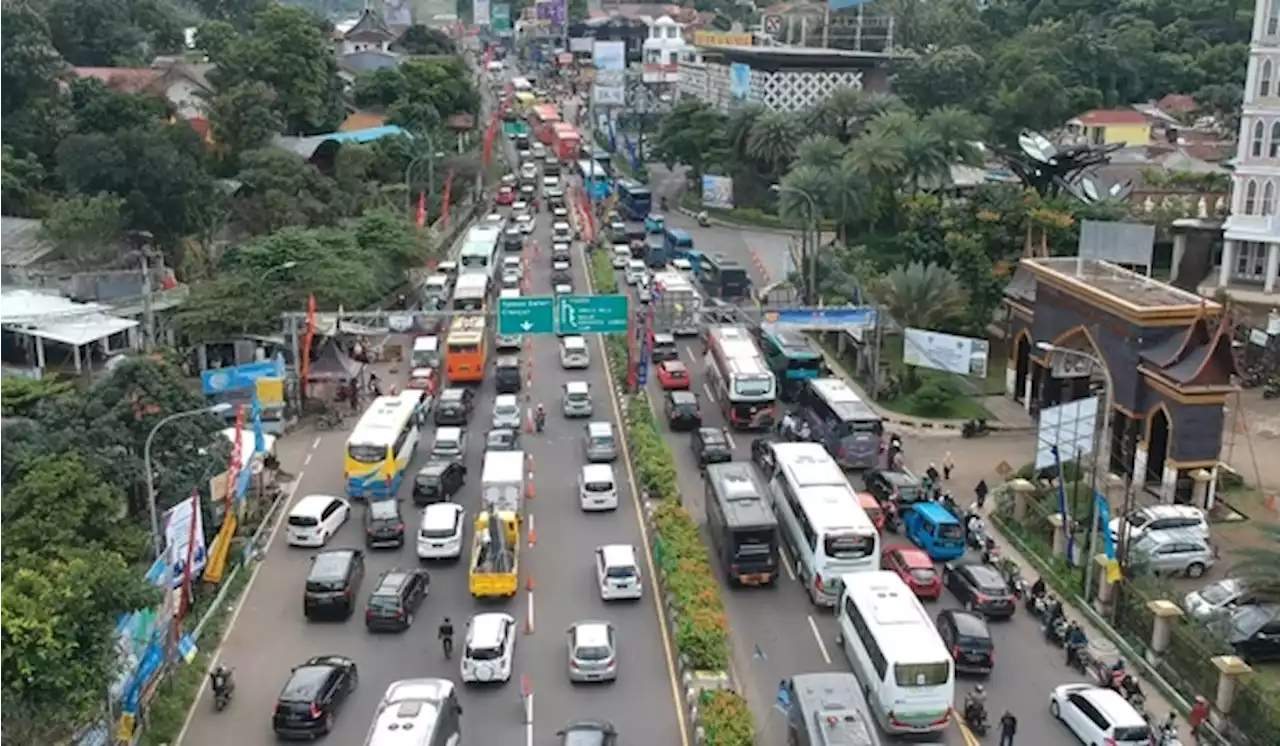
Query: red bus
543, 119
740, 379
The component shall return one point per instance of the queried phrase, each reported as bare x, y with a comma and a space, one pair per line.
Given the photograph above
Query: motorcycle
1056, 633
975, 718
975, 429
704, 220
892, 519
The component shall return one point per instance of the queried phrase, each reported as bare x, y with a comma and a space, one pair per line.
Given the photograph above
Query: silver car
593, 652
576, 401
1177, 552
599, 442
506, 412
1218, 598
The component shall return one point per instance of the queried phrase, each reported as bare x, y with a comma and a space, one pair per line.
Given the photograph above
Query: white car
526, 223
441, 531
563, 289
520, 207
618, 572
681, 265
560, 265
510, 280
1099, 716
539, 150
621, 256
1161, 518
636, 271
559, 246
561, 228
528, 170
574, 353
315, 518
494, 218
560, 213
490, 648
506, 411
513, 264
1218, 598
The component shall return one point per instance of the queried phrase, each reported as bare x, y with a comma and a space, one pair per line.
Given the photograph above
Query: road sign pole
633, 368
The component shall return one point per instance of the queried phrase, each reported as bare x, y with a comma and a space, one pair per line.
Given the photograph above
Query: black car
394, 600
507, 376
560, 253
588, 733
332, 583
664, 348
1254, 632
683, 412
561, 277
383, 525
438, 482
711, 446
762, 453
888, 484
502, 439
312, 696
454, 406
981, 588
513, 240
969, 640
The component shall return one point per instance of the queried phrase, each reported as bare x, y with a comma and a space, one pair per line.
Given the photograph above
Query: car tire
1055, 710
353, 682
1195, 570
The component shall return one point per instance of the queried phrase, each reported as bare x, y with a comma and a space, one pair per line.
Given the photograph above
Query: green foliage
113, 33
22, 178
19, 397
238, 14
244, 117
692, 134
924, 296
726, 718
420, 39
85, 230
98, 108
419, 94
603, 278
579, 11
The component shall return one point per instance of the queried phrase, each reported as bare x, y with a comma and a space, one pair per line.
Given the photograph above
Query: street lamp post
284, 267
812, 237
220, 408
430, 158
1109, 392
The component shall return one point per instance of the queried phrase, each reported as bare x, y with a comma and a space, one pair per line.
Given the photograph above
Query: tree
214, 38
279, 189
286, 51
692, 134
85, 229
420, 39
952, 76
578, 11
101, 109
922, 296
113, 33
19, 397
22, 179
772, 143
238, 14
31, 66
243, 118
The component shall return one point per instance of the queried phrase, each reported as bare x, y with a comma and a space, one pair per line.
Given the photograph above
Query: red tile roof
1177, 103
126, 79
1103, 117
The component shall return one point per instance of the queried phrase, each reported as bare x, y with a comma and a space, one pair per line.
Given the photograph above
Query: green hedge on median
701, 625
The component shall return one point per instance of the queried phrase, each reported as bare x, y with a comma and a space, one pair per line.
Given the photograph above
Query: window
1250, 196
1264, 79
797, 510
866, 637
1268, 199
1258, 131
1274, 149
1273, 18
1251, 260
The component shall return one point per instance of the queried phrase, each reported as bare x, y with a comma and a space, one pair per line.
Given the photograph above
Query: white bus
740, 378
471, 293
842, 421
381, 446
417, 712
480, 249
896, 653
827, 530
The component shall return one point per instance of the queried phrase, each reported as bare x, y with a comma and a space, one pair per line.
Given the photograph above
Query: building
183, 85
779, 78
1251, 239
663, 50
1128, 126
817, 25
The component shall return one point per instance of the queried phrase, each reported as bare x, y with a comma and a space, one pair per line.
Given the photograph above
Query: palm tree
924, 157
822, 152
922, 296
773, 141
803, 183
847, 110
850, 198
741, 122
960, 132
879, 156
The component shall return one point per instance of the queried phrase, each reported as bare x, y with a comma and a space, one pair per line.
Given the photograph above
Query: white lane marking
530, 611
786, 562
707, 388
307, 460
235, 614
532, 531
528, 719
818, 636
733, 444
692, 357
316, 443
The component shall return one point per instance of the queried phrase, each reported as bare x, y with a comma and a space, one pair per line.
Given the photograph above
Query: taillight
991, 657
1109, 741
841, 452
978, 598
400, 527
574, 664
369, 530
817, 583
733, 569
955, 653
315, 712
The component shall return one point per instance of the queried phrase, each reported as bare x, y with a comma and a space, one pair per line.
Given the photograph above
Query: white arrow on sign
568, 316
527, 326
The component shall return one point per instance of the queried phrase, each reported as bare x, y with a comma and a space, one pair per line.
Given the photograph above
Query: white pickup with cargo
676, 305
502, 482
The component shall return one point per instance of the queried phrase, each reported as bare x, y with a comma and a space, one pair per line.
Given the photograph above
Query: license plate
754, 579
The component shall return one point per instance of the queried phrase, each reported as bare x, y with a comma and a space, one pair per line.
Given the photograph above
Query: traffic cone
528, 422
530, 491
529, 584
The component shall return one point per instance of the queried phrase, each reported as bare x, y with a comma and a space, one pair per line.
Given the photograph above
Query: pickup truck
495, 555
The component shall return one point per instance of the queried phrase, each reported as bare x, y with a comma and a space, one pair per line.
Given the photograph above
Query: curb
719, 223
760, 266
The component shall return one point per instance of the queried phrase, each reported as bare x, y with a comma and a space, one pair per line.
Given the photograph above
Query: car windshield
384, 603
848, 545
592, 653
445, 446
602, 442
923, 574
598, 486
1218, 593
506, 409
484, 654
303, 521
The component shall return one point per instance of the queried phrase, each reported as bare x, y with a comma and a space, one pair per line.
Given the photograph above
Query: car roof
968, 625
332, 563
384, 508
1173, 536
1172, 511
915, 556
435, 467
618, 555
449, 433
1113, 706
897, 478
600, 427
506, 399
574, 341
486, 629
577, 386
674, 365
664, 337
984, 574
390, 581
441, 515
591, 633
592, 472
682, 397
713, 433
453, 392
312, 504
305, 681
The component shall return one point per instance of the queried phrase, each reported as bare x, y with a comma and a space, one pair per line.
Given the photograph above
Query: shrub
603, 280
726, 719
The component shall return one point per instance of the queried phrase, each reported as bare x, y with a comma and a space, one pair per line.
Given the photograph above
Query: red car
872, 508
506, 196
673, 374
915, 568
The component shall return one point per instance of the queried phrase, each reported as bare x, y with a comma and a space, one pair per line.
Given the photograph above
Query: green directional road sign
535, 315
587, 314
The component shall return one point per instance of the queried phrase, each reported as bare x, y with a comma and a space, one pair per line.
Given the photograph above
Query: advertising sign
1067, 430
480, 13
177, 536
739, 82
948, 353
501, 17
717, 192
552, 11
723, 39
239, 377
610, 60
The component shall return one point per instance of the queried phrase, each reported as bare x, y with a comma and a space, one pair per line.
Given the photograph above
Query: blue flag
259, 439
1104, 520
613, 137
631, 152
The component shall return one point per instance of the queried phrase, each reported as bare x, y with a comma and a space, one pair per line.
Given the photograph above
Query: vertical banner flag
422, 209
304, 365
181, 523
195, 531
444, 198
480, 12
259, 437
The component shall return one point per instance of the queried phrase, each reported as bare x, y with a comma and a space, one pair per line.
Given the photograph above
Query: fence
1185, 666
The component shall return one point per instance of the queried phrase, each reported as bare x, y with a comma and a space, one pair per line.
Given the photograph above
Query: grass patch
745, 216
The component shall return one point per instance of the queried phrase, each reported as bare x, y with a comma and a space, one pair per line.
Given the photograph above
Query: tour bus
722, 277
417, 712
743, 528
464, 350
634, 200
595, 179
829, 533
480, 250
842, 421
895, 651
739, 378
381, 446
791, 356
471, 294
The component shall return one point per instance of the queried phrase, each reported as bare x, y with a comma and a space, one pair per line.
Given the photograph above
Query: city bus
464, 350
842, 421
471, 294
480, 249
635, 201
417, 712
739, 378
722, 277
543, 119
792, 357
744, 531
595, 179
828, 532
678, 243
380, 447
894, 650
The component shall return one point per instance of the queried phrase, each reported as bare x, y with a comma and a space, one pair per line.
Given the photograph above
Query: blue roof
936, 513
365, 135
677, 233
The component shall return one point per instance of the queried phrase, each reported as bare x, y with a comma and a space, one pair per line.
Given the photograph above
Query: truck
675, 304
636, 240
502, 482
655, 251
495, 555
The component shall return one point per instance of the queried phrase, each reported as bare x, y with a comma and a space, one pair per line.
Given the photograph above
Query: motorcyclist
1075, 642
221, 680
787, 425
975, 705
805, 433
1131, 689
540, 417
1038, 588
663, 203
445, 635
990, 551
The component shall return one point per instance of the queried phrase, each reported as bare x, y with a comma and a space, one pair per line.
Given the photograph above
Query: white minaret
1251, 245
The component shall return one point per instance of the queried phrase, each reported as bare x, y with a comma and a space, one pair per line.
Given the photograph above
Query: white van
440, 531
574, 354
426, 352
502, 479
315, 518
636, 271
597, 487
618, 573
621, 256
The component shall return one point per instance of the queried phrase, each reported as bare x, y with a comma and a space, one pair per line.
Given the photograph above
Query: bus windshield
745, 385
848, 545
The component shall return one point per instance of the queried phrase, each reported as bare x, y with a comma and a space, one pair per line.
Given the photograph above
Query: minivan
577, 399
513, 264
1156, 518
636, 271
440, 531
600, 442
314, 519
332, 583
507, 375
618, 572
574, 353
597, 487
621, 256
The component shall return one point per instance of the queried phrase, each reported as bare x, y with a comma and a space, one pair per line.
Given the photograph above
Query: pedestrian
1008, 728
1197, 717
899, 461
948, 464
353, 395
980, 492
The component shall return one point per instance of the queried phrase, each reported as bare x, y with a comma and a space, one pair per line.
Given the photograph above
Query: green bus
792, 357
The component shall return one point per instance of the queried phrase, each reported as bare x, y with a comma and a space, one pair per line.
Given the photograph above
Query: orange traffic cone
529, 584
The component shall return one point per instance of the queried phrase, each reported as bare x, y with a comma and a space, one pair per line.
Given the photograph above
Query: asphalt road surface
777, 632
270, 635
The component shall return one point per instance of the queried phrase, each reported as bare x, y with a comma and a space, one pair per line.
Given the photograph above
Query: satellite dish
1089, 189
1046, 147
1120, 191
1031, 148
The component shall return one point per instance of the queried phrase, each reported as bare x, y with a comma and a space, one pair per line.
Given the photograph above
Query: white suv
618, 573
1097, 716
1159, 518
490, 648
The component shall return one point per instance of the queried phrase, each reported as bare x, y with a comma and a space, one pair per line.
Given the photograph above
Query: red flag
444, 198
184, 602
233, 472
490, 134
304, 365
422, 209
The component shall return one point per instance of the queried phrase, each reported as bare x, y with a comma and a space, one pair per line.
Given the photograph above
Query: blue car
934, 529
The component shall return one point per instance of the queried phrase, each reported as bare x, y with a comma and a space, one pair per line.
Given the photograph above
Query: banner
235, 378
480, 12
739, 82
717, 192
610, 61
948, 353
309, 337
723, 39
552, 11
501, 17
184, 539
1108, 545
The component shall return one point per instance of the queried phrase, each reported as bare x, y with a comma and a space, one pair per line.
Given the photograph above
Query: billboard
501, 17
739, 82
178, 537
717, 192
723, 39
610, 60
1066, 429
480, 12
948, 353
552, 11
1129, 244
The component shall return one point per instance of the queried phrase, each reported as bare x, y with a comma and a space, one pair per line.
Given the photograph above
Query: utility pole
141, 243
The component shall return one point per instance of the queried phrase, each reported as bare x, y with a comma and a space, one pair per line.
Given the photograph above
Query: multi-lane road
269, 634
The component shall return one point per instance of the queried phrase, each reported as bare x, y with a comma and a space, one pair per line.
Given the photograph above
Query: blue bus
791, 356
678, 243
634, 200
595, 179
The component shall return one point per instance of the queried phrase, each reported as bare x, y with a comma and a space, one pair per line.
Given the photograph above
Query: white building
1251, 245
663, 50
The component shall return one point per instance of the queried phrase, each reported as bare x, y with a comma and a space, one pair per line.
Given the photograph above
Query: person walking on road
948, 464
1008, 728
1197, 717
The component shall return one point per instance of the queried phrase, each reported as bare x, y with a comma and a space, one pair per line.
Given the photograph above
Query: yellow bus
381, 447
464, 350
